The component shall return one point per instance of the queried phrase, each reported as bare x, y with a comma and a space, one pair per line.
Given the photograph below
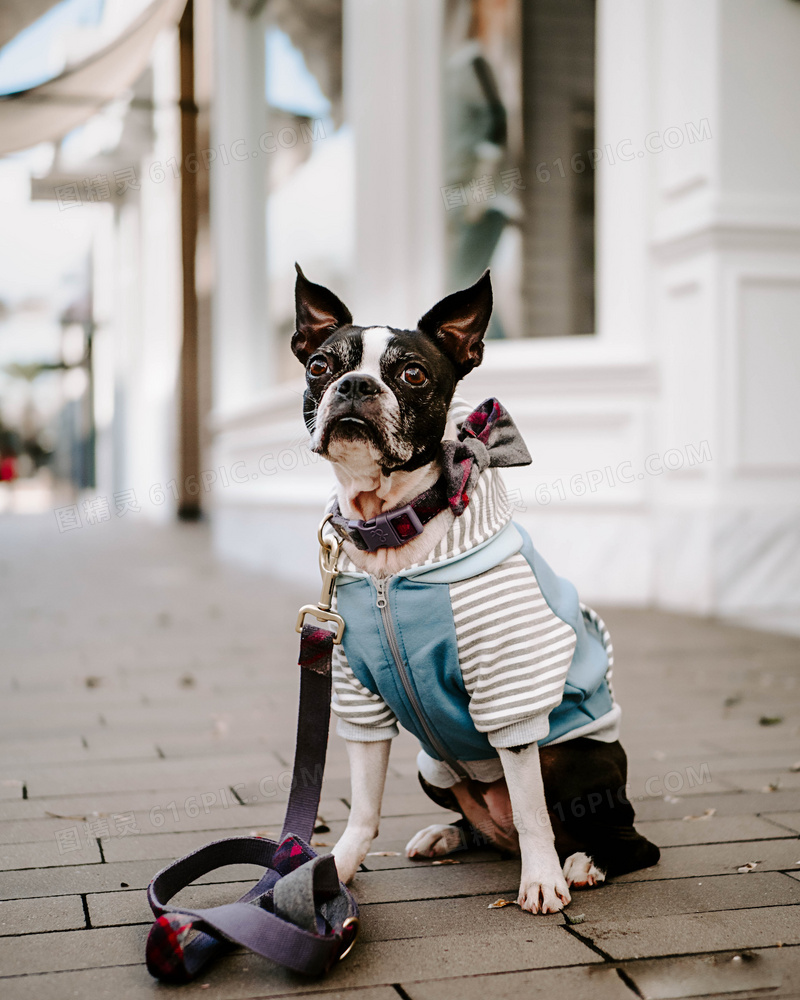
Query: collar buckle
389, 529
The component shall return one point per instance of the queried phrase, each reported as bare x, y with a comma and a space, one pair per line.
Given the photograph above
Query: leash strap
298, 914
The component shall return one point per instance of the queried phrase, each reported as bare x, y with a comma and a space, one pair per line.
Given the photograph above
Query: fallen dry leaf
498, 903
446, 861
577, 918
773, 786
267, 834
749, 866
320, 843
795, 766
706, 815
383, 854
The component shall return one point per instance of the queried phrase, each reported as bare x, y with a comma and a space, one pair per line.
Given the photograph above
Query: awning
54, 108
16, 15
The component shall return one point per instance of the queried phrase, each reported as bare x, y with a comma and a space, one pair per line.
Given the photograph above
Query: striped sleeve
361, 715
513, 650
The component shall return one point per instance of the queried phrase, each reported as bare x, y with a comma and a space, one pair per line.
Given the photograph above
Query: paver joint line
86, 968
236, 795
570, 929
86, 914
626, 979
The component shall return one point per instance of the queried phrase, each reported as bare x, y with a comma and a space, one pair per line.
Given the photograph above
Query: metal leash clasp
329, 549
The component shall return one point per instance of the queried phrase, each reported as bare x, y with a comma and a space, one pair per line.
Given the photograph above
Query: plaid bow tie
488, 438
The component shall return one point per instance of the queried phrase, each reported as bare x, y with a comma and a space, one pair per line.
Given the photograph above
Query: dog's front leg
542, 887
368, 764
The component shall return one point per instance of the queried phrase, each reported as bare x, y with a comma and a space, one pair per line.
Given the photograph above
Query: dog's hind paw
434, 841
581, 872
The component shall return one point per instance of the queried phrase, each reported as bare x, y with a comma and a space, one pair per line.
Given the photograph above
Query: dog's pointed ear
318, 314
457, 324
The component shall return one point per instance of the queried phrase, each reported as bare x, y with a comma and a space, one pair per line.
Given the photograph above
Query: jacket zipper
382, 602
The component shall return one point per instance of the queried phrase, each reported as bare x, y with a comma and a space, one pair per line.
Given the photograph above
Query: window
519, 181
558, 71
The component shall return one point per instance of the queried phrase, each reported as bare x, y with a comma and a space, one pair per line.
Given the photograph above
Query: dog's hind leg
435, 841
585, 788
486, 819
581, 872
439, 838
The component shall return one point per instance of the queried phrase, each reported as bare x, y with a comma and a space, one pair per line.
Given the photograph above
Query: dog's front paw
348, 853
347, 863
543, 891
434, 841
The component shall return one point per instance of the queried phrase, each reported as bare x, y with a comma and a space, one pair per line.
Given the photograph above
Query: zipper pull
381, 587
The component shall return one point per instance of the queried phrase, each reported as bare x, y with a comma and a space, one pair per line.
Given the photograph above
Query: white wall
726, 266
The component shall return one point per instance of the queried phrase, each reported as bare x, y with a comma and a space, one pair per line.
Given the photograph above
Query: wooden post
189, 507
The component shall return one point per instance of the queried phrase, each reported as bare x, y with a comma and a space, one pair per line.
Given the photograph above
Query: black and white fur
376, 405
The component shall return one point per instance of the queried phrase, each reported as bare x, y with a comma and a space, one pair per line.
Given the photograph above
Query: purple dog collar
393, 528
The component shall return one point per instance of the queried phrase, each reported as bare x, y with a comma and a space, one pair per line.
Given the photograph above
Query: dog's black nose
358, 387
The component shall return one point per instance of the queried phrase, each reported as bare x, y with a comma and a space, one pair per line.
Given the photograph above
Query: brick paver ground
148, 706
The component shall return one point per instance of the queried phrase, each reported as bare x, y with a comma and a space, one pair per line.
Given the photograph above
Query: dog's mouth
351, 420
350, 427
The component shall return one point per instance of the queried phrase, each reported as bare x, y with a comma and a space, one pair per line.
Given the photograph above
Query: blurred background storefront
629, 170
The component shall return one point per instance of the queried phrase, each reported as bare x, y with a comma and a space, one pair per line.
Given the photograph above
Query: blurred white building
660, 403
666, 458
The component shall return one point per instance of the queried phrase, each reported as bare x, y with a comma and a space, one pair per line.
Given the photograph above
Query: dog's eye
414, 375
318, 367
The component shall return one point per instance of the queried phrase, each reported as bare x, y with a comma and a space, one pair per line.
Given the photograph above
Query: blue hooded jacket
401, 644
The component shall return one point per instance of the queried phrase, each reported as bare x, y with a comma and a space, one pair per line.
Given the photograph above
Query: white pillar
623, 119
392, 65
147, 306
241, 347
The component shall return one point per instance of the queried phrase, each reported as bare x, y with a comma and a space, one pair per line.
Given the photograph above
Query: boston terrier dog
455, 627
